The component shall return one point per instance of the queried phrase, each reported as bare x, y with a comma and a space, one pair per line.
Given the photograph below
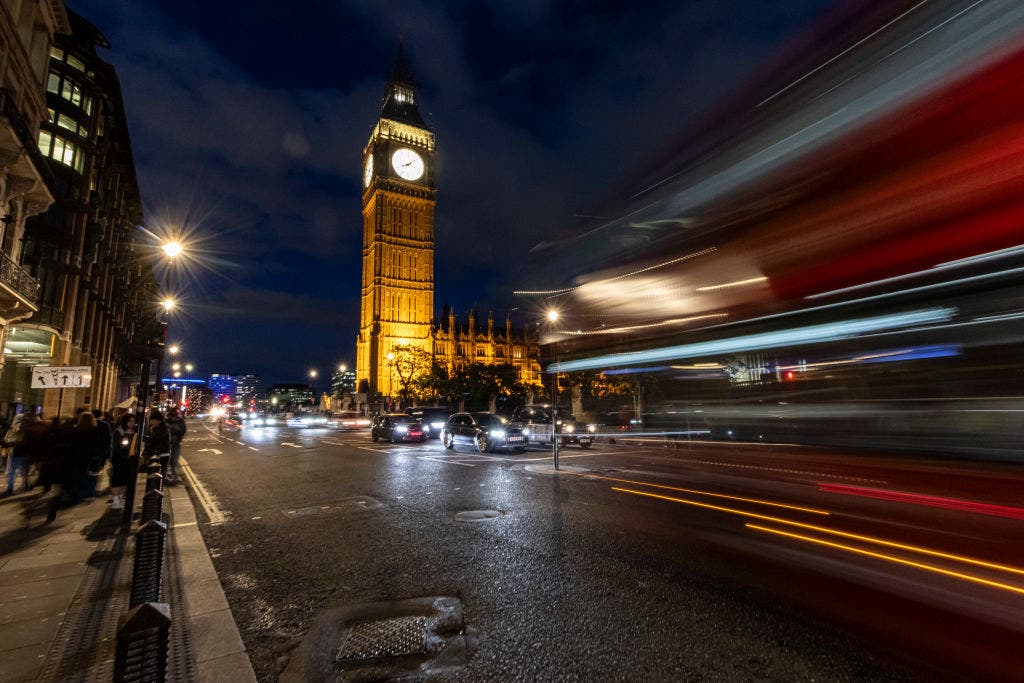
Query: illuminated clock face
368, 171
407, 164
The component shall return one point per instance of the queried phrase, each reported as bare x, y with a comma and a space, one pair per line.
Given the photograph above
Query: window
62, 150
72, 93
53, 83
76, 63
57, 53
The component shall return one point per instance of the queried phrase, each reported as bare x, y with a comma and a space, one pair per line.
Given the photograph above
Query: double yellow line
836, 532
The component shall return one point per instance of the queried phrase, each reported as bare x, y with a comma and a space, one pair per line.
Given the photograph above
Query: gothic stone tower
398, 235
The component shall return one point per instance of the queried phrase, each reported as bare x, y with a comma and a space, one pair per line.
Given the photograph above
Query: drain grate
393, 637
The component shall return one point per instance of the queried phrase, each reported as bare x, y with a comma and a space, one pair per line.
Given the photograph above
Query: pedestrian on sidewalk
75, 446
20, 458
158, 440
120, 460
176, 428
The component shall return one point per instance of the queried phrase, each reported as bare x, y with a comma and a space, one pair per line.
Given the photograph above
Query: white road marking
446, 462
210, 450
208, 501
290, 445
253, 448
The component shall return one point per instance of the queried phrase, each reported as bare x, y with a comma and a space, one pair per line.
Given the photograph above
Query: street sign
72, 377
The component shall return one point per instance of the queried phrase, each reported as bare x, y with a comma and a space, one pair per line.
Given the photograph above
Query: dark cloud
253, 118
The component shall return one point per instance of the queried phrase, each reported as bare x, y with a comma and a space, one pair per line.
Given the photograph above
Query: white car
307, 421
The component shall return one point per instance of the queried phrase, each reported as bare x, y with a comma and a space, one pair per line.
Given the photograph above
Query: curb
220, 653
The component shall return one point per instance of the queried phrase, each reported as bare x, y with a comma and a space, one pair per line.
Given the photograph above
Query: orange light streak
897, 560
835, 532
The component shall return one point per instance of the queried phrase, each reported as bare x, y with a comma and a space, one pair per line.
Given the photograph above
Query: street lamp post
552, 316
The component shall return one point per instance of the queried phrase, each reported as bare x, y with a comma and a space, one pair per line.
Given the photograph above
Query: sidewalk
65, 584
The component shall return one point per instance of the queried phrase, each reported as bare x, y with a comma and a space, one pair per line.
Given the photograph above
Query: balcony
19, 291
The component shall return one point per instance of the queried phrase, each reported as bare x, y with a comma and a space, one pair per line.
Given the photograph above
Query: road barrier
143, 634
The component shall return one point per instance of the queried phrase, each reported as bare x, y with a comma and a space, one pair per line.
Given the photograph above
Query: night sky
248, 121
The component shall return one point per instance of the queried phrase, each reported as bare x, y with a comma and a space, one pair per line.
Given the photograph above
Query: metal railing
17, 279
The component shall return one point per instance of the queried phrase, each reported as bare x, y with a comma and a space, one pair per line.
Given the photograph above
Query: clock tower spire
397, 292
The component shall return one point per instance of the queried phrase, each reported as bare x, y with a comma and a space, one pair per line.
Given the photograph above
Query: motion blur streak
890, 558
756, 501
768, 340
835, 532
922, 499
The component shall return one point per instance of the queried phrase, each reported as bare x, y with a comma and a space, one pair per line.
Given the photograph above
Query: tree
409, 363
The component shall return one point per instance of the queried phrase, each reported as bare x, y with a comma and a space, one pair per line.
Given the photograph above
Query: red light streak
923, 499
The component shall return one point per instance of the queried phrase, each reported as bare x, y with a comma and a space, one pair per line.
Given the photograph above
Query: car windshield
489, 420
403, 419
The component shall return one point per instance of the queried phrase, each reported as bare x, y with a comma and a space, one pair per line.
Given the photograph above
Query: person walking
176, 429
120, 460
20, 458
75, 447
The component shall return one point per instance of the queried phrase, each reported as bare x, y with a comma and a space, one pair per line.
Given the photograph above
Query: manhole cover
384, 638
477, 515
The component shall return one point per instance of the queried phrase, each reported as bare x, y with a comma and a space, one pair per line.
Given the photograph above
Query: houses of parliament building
397, 289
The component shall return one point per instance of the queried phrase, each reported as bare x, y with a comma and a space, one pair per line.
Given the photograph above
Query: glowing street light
176, 366
342, 368
168, 304
177, 374
312, 374
188, 367
552, 315
172, 248
173, 349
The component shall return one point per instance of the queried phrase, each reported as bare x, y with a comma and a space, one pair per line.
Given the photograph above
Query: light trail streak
765, 340
834, 532
891, 558
756, 501
834, 57
923, 499
737, 283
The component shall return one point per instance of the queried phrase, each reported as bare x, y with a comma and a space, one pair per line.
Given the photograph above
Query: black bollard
152, 506
143, 642
147, 572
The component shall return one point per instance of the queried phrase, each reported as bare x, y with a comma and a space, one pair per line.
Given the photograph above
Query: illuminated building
247, 387
285, 396
224, 386
458, 345
343, 382
93, 291
397, 297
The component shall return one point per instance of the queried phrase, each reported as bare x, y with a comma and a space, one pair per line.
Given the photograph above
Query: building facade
27, 31
97, 292
458, 344
290, 396
397, 295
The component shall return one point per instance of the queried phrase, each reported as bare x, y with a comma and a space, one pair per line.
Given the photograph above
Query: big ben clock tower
397, 304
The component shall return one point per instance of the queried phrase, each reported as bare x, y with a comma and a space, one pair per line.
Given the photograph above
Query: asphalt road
700, 561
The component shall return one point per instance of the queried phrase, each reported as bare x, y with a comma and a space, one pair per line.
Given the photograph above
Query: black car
396, 427
432, 418
483, 430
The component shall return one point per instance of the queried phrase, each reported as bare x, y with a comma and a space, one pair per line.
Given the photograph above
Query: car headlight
526, 432
591, 428
259, 421
568, 428
498, 433
401, 429
437, 425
